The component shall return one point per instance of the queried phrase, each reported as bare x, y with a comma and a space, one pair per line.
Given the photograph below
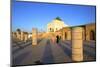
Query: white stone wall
55, 25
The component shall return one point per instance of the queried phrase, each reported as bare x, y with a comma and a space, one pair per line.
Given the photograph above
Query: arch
92, 35
50, 29
65, 35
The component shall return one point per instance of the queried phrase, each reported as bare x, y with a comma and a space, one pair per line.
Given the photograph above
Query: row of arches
53, 30
91, 35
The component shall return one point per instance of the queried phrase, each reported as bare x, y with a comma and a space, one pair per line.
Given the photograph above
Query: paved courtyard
47, 52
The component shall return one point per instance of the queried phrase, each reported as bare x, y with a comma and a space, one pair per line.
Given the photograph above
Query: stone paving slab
38, 51
59, 55
48, 52
22, 55
25, 48
48, 57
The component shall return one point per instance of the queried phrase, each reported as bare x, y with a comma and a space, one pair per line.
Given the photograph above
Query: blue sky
28, 15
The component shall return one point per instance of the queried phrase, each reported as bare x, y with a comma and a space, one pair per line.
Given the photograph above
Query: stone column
77, 44
63, 35
22, 35
68, 35
34, 36
25, 37
13, 35
84, 34
18, 35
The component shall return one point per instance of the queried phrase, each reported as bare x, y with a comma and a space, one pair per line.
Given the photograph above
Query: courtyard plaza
48, 52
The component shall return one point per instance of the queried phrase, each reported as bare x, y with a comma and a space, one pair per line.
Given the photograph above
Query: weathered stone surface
77, 44
34, 36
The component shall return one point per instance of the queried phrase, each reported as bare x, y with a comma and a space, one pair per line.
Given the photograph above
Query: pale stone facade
66, 33
88, 33
55, 25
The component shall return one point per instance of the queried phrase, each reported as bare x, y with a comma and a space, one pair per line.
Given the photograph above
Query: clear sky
28, 15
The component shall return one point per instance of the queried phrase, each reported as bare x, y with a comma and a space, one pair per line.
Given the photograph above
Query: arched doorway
51, 30
92, 35
65, 35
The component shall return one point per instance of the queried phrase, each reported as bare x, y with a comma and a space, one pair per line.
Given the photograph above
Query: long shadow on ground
20, 48
20, 58
47, 56
65, 49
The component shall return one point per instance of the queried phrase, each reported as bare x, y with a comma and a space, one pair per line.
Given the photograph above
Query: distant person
57, 39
